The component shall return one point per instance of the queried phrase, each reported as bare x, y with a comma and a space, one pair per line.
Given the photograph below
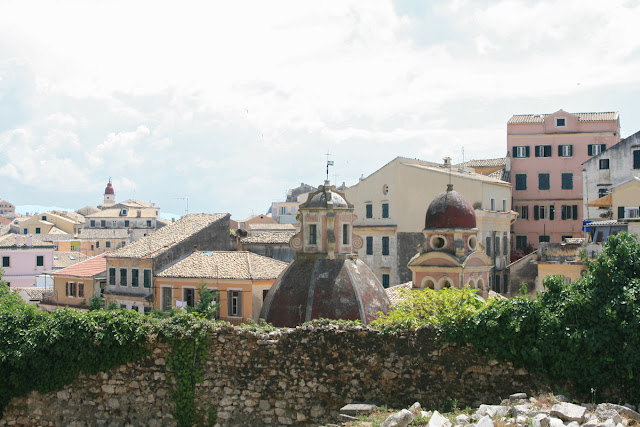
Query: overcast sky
232, 103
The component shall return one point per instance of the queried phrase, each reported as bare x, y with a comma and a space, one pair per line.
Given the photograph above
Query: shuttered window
543, 181
521, 181
567, 181
234, 299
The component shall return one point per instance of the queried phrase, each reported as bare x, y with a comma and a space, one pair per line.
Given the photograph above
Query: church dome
322, 198
450, 210
109, 189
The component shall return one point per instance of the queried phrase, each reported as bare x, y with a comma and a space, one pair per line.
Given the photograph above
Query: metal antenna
329, 163
186, 199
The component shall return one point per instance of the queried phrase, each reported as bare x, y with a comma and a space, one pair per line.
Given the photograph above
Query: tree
206, 306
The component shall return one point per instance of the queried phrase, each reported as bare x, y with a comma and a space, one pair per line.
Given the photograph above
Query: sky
230, 104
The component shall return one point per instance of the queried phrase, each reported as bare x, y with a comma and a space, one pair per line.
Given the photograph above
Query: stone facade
299, 376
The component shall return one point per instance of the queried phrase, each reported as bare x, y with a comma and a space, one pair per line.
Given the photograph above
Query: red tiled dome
109, 189
450, 210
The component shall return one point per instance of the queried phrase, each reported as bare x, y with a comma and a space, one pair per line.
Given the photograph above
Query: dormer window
123, 212
312, 234
561, 122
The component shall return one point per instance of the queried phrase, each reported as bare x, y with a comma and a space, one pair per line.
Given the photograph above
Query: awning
602, 202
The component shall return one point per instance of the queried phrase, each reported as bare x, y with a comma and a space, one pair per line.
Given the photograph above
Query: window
543, 181
521, 181
385, 210
40, 261
565, 150
147, 279
561, 122
523, 212
521, 151
112, 276
493, 204
123, 277
620, 212
283, 210
5, 261
97, 244
369, 245
37, 230
123, 212
345, 234
385, 245
70, 289
312, 234
569, 212
44, 217
567, 181
123, 306
126, 224
504, 205
543, 151
107, 244
103, 223
521, 242
564, 238
505, 244
595, 149
543, 212
636, 159
93, 222
497, 247
602, 192
604, 163
80, 290
369, 208
134, 277
487, 246
148, 223
166, 298
632, 212
385, 281
497, 284
235, 304
544, 239
25, 231
189, 296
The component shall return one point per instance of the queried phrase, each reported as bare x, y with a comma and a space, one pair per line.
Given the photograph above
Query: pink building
546, 155
23, 258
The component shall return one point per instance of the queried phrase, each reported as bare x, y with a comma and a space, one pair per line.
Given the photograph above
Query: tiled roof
502, 161
284, 227
269, 237
226, 265
34, 292
574, 240
67, 259
4, 229
55, 237
131, 213
71, 215
460, 173
519, 119
88, 268
160, 240
394, 292
9, 240
605, 223
103, 233
499, 174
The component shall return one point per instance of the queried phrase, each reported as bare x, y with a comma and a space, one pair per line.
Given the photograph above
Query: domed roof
450, 210
345, 289
109, 189
324, 195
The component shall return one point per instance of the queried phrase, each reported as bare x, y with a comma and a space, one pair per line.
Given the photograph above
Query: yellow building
48, 222
241, 278
560, 258
74, 286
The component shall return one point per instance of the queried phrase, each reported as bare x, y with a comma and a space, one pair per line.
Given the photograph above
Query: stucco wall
295, 377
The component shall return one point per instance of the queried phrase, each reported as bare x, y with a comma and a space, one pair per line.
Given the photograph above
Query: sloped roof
71, 215
226, 265
393, 292
500, 174
459, 173
103, 233
33, 292
502, 161
160, 240
55, 237
67, 259
4, 229
89, 268
519, 119
131, 213
9, 240
269, 237
283, 227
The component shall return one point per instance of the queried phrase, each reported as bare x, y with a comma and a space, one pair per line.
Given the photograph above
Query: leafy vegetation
587, 331
428, 307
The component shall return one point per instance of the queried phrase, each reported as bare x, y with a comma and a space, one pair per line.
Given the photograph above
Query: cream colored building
50, 222
391, 203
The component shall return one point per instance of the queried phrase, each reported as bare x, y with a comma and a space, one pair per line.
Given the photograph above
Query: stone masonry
299, 376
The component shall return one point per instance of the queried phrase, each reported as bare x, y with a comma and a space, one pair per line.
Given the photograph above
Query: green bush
419, 307
587, 331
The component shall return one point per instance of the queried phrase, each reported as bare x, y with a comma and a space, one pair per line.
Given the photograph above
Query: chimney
28, 240
195, 248
447, 162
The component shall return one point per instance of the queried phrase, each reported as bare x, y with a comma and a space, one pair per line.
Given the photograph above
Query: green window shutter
552, 213
590, 150
575, 211
560, 150
603, 147
547, 151
620, 212
564, 212
571, 150
514, 152
527, 153
536, 216
537, 150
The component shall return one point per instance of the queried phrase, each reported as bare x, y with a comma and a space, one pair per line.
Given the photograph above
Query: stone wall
298, 376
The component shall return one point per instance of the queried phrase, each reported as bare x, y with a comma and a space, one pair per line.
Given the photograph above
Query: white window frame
184, 299
240, 291
565, 150
631, 212
521, 152
564, 119
595, 149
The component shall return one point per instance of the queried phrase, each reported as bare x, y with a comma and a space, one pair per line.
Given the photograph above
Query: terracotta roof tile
502, 161
226, 265
283, 227
269, 237
9, 240
88, 268
607, 116
394, 293
103, 233
67, 259
163, 238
